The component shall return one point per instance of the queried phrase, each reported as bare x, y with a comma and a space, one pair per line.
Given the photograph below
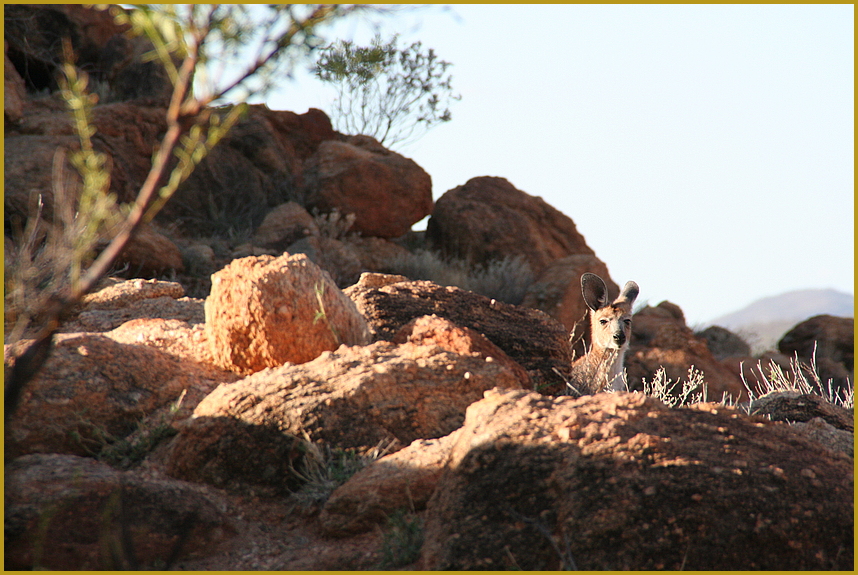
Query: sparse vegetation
692, 390
403, 539
321, 314
190, 41
334, 224
506, 279
801, 377
323, 469
393, 94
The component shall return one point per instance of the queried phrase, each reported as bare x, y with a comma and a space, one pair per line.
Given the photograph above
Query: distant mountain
764, 322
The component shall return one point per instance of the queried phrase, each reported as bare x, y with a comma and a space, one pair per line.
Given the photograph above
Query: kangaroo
610, 328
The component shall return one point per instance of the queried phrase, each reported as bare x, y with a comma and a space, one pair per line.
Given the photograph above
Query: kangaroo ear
594, 291
629, 294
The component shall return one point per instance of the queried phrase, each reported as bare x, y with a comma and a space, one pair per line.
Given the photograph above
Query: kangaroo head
610, 323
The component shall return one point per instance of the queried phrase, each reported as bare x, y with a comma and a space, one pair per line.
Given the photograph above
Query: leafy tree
197, 44
392, 94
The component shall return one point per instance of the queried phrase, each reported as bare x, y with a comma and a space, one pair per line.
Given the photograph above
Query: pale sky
704, 151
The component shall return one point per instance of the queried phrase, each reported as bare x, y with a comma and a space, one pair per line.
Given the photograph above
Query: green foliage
322, 314
403, 540
194, 43
393, 94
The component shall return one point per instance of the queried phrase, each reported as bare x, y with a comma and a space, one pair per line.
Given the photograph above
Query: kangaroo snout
619, 338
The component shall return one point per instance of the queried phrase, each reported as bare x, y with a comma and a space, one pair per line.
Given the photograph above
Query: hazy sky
704, 151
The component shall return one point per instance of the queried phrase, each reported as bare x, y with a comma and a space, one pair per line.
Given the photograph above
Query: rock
837, 440
337, 258
263, 312
531, 338
403, 480
723, 343
14, 91
284, 225
489, 219
34, 33
756, 371
229, 453
149, 254
618, 481
118, 294
198, 258
130, 75
354, 397
101, 320
794, 406
386, 192
431, 329
70, 513
833, 339
660, 338
118, 301
90, 391
557, 292
375, 254
259, 165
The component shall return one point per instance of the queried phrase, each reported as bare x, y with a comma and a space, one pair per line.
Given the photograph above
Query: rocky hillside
276, 382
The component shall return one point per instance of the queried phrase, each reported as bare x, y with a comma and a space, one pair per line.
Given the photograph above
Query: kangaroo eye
603, 321
628, 321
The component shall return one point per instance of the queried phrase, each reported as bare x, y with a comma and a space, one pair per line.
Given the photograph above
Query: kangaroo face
610, 324
611, 327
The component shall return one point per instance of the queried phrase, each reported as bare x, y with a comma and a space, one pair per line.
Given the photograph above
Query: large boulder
660, 339
723, 343
488, 219
403, 480
354, 397
557, 292
35, 33
386, 192
618, 481
831, 340
91, 391
531, 338
70, 513
284, 225
265, 311
431, 329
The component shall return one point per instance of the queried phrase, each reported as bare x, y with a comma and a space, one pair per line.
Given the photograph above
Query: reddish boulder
265, 311
660, 338
243, 435
531, 338
90, 391
284, 225
618, 481
403, 480
386, 192
149, 253
336, 257
489, 219
70, 513
431, 329
557, 292
832, 339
